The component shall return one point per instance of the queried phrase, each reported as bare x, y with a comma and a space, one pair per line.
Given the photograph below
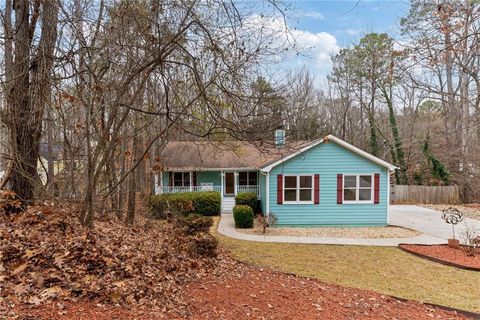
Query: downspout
267, 191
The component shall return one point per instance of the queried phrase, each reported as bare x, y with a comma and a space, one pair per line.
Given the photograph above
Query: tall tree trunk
29, 92
132, 178
398, 156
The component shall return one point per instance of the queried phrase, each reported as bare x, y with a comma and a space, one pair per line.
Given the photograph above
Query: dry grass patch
383, 269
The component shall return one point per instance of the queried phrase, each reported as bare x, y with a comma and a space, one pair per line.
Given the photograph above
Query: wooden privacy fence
409, 194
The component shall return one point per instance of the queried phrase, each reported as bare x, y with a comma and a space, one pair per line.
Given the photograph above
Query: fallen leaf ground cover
382, 269
54, 269
45, 255
240, 291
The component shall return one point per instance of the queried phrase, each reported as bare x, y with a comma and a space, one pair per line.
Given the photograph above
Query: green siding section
209, 177
262, 182
165, 177
328, 160
202, 177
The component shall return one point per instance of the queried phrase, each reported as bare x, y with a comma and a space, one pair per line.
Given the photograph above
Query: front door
229, 187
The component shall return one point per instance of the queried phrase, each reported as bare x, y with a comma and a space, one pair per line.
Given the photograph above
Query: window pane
177, 179
290, 195
186, 179
243, 178
349, 195
252, 178
290, 182
365, 194
305, 181
365, 181
350, 181
306, 195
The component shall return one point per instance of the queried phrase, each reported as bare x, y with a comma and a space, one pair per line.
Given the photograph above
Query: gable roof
269, 166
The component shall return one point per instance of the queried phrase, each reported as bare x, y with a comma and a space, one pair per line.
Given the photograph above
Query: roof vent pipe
280, 138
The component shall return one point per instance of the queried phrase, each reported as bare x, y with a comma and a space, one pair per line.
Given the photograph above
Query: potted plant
452, 216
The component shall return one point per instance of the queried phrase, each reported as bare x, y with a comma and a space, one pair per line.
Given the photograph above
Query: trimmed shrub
194, 223
243, 216
206, 203
247, 198
204, 245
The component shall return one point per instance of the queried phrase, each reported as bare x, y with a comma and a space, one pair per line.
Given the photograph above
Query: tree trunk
132, 178
28, 96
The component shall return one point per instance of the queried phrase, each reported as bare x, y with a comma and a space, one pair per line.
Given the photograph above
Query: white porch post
222, 174
235, 180
161, 181
191, 176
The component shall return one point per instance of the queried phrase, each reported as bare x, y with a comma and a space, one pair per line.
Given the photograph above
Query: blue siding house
326, 182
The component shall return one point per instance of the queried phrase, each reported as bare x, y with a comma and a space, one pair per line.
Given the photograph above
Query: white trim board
340, 142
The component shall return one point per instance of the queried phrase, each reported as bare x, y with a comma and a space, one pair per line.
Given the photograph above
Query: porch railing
254, 188
169, 189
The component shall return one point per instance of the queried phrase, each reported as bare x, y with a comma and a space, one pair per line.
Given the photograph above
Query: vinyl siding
328, 160
209, 177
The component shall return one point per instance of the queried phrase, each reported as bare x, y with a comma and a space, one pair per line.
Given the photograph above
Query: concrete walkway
434, 230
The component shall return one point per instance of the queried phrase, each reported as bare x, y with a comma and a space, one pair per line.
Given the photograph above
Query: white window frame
298, 188
183, 179
357, 189
248, 179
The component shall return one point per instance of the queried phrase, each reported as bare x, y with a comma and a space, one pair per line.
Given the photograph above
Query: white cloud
311, 49
319, 46
312, 14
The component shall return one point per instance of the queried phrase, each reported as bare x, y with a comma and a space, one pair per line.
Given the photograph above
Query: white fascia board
362, 153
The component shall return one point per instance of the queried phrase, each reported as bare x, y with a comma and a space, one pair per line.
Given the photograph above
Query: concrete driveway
427, 221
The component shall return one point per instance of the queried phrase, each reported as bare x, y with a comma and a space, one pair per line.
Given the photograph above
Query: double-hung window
298, 189
247, 178
358, 188
181, 179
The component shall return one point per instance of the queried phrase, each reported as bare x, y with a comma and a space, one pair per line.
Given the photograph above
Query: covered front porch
228, 182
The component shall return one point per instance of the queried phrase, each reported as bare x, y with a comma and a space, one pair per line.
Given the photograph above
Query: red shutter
376, 188
316, 189
279, 189
339, 188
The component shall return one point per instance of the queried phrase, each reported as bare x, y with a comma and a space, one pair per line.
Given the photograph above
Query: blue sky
323, 27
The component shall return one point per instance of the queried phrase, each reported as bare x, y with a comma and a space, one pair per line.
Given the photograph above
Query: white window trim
357, 189
248, 178
182, 172
298, 188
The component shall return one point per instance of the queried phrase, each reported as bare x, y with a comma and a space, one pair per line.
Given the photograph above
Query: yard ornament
452, 216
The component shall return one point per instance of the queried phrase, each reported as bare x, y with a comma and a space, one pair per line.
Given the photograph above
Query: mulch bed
446, 255
256, 293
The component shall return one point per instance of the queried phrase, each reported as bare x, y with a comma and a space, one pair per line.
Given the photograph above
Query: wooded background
96, 89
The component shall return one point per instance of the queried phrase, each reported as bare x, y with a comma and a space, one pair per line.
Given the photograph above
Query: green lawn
381, 269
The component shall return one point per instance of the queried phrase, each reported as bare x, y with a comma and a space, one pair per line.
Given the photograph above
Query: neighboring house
322, 182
